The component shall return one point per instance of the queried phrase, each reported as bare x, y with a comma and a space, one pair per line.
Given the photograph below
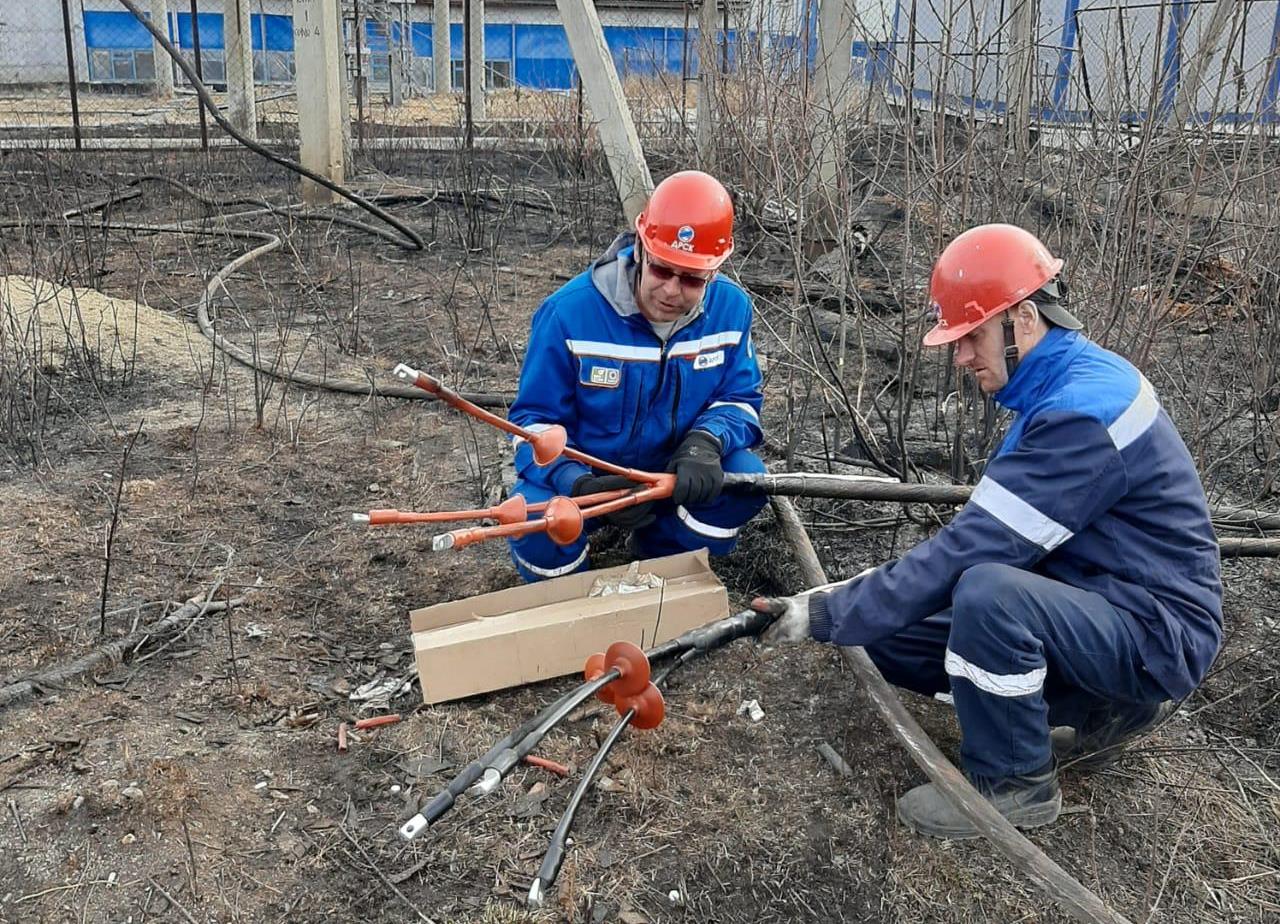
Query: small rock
395, 789
128, 839
79, 801
312, 810
111, 878
279, 796
374, 488
608, 784
675, 898
132, 793
261, 785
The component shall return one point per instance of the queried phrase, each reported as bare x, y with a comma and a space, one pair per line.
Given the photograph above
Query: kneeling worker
1079, 587
646, 360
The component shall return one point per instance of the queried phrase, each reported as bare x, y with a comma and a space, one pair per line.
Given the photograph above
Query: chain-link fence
1090, 61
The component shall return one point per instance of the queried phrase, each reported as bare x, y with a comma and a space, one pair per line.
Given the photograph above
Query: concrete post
608, 105
833, 72
317, 40
1185, 109
242, 107
475, 50
164, 64
708, 63
441, 64
1020, 58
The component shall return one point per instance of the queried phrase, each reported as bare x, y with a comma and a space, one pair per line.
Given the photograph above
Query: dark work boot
1105, 733
1028, 801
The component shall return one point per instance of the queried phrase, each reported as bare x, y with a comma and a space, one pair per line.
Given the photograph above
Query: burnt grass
199, 779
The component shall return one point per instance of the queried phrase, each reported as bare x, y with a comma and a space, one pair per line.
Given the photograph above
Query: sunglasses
666, 274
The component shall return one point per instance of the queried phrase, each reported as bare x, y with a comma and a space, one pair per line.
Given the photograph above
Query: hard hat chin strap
1010, 344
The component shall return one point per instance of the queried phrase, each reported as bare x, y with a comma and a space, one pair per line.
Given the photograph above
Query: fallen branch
1082, 904
861, 487
112, 653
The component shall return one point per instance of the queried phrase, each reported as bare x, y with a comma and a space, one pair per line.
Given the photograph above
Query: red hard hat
981, 273
688, 221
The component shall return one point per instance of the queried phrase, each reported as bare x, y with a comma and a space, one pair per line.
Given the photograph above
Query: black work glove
699, 477
628, 518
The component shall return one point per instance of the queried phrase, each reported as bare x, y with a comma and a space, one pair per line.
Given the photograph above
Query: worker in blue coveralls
646, 360
1078, 591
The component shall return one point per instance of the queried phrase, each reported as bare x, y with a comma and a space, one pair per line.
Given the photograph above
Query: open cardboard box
537, 631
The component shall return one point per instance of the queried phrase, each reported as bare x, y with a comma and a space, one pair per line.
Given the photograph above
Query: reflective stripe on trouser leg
1020, 641
536, 557
714, 526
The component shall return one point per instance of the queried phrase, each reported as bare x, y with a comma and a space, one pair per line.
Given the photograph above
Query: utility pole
163, 64
1018, 74
599, 79
242, 106
317, 45
441, 64
708, 25
1185, 109
833, 72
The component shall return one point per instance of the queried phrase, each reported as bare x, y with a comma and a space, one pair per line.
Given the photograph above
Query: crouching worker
646, 360
1079, 587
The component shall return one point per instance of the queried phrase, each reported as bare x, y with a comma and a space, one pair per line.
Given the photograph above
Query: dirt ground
199, 780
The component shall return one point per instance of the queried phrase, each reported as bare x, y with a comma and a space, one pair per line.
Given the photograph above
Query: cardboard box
538, 631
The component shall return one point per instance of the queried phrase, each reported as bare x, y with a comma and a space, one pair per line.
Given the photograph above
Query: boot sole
1033, 816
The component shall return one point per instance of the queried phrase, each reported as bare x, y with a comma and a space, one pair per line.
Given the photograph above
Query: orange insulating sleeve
551, 765
378, 721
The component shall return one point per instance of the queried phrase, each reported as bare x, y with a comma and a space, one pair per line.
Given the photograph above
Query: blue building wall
538, 55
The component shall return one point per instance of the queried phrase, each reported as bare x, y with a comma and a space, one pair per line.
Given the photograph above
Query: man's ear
1028, 315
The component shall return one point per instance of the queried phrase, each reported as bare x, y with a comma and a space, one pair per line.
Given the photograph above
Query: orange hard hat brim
941, 336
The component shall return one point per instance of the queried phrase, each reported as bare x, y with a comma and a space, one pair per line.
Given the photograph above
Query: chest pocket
603, 388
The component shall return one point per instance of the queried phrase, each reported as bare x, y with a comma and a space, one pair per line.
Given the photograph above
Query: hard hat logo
688, 222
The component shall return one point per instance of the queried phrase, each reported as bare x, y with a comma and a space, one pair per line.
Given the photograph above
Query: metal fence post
195, 47
71, 74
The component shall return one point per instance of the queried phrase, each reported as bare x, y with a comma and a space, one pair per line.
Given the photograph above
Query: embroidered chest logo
604, 377
708, 360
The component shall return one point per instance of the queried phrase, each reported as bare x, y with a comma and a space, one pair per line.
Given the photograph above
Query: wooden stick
1076, 900
856, 487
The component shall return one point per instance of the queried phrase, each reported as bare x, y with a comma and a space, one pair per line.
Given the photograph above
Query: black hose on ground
411, 239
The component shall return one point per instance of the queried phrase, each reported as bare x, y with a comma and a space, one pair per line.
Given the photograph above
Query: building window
457, 75
497, 75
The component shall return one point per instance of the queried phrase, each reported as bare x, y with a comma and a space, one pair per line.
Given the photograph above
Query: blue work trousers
714, 526
1019, 652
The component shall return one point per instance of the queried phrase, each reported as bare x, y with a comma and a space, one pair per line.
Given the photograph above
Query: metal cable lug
535, 894
413, 827
405, 372
361, 519
442, 543
488, 783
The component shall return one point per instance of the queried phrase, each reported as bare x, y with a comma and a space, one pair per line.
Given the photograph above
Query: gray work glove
792, 624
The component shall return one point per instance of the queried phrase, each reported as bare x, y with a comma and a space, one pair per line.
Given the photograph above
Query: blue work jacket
1093, 487
595, 365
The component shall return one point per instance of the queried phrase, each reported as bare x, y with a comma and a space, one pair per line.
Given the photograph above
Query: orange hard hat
688, 221
984, 271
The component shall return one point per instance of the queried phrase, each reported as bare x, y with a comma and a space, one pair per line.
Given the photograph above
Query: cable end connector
413, 827
535, 895
442, 542
406, 373
360, 519
491, 780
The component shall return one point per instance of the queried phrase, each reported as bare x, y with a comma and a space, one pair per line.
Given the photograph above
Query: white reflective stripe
613, 350
1019, 516
945, 698
705, 529
1137, 417
995, 684
555, 572
532, 428
709, 342
740, 405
